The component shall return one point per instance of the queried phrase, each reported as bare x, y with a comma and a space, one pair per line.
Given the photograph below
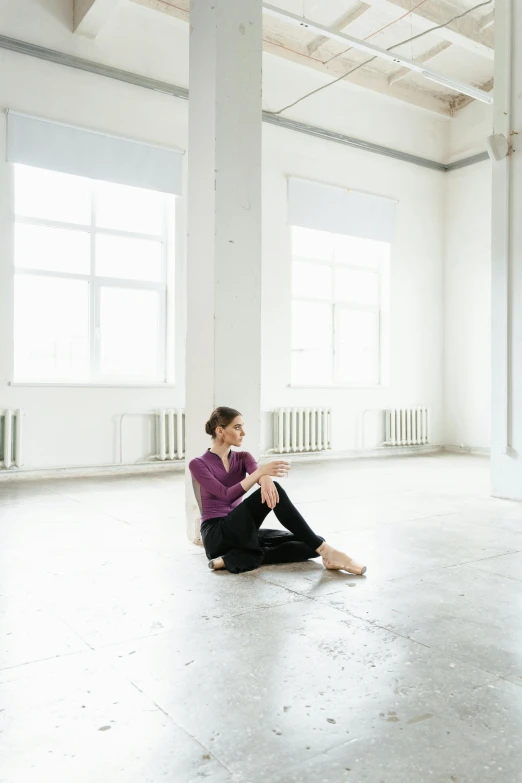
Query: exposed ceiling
461, 50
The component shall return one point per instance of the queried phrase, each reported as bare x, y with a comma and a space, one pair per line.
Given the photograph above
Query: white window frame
165, 289
380, 311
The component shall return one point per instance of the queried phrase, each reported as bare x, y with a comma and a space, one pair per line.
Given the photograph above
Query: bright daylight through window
340, 292
91, 270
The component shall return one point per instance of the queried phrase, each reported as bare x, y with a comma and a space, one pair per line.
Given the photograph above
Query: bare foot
334, 560
216, 564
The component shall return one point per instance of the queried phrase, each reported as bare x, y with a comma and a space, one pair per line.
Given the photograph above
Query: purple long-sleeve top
221, 491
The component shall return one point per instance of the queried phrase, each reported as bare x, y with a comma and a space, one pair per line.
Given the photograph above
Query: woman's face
233, 433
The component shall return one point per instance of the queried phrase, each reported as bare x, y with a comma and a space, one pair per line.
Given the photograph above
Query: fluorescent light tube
465, 89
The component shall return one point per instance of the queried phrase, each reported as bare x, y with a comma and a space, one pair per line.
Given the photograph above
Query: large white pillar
506, 269
224, 222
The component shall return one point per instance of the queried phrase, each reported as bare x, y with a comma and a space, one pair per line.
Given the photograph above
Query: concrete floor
124, 659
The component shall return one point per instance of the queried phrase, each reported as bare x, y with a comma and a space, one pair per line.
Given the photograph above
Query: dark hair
221, 417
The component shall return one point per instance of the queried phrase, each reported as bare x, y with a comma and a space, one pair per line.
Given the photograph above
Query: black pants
237, 538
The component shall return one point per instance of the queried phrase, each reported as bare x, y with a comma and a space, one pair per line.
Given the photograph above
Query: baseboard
480, 451
19, 474
383, 451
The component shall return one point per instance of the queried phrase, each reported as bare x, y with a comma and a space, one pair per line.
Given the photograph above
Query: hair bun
220, 417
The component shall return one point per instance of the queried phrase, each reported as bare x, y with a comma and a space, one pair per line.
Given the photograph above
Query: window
91, 269
339, 307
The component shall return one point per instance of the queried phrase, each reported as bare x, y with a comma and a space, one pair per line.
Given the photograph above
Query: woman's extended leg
290, 517
242, 524
289, 552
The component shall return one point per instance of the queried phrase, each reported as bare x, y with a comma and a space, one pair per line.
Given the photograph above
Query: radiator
10, 439
407, 427
170, 434
301, 430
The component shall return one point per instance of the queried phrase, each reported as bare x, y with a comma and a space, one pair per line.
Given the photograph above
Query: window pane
51, 328
311, 343
129, 259
129, 333
311, 326
361, 252
311, 280
312, 368
52, 249
49, 195
309, 243
129, 209
357, 347
356, 286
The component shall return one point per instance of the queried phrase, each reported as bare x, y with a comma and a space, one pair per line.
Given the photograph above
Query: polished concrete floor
123, 659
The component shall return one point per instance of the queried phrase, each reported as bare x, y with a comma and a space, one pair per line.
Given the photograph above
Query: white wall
69, 427
467, 311
467, 285
354, 111
78, 426
468, 131
416, 281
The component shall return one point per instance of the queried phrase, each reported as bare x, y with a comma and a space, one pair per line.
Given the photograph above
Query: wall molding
479, 451
376, 453
79, 63
385, 452
51, 474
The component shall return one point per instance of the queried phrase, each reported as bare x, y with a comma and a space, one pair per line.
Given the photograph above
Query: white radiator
170, 435
407, 427
10, 439
301, 430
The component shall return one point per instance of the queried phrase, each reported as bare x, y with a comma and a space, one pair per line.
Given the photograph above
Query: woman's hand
269, 494
279, 468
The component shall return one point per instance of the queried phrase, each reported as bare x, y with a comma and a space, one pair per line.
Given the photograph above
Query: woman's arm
269, 493
205, 479
278, 468
208, 481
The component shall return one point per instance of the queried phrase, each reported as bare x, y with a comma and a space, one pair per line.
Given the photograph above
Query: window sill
376, 387
86, 385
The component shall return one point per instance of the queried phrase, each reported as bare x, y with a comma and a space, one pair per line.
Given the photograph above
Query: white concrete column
224, 222
506, 268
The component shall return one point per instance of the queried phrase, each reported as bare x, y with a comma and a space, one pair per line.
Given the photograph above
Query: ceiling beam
375, 51
341, 23
465, 32
276, 43
487, 20
400, 73
369, 79
461, 101
177, 8
89, 16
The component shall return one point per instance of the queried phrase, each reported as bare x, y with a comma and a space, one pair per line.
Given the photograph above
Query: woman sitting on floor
231, 529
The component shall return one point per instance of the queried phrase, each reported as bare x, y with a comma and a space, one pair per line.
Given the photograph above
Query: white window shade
70, 150
339, 210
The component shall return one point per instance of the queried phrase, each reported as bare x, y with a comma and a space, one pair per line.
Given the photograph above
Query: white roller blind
70, 150
339, 210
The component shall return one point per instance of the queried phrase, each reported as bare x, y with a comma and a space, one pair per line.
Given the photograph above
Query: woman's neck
221, 449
